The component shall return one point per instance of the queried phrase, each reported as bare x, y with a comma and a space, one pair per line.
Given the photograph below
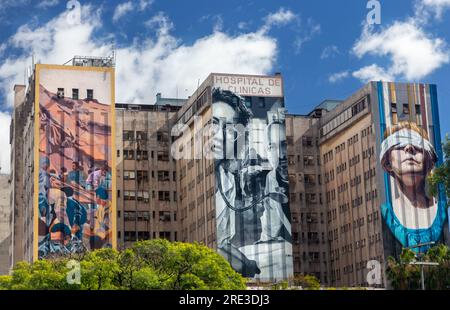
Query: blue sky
323, 48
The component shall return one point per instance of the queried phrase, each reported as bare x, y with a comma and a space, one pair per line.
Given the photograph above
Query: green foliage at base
148, 265
404, 276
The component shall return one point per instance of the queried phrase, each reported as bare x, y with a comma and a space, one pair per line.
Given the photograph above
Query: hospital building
277, 194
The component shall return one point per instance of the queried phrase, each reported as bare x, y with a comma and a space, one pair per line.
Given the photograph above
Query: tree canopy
147, 265
405, 276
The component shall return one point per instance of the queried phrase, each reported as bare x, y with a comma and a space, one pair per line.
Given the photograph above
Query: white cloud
122, 10
438, 6
330, 52
336, 77
144, 4
157, 63
243, 25
281, 17
47, 4
130, 6
372, 73
310, 30
412, 52
5, 120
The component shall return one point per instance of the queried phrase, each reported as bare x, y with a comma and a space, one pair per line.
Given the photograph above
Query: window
164, 216
143, 196
141, 135
310, 179
162, 137
142, 176
129, 195
308, 160
307, 141
418, 112
60, 93
164, 235
405, 108
143, 235
359, 107
128, 154
394, 113
90, 94
143, 216
75, 95
128, 135
311, 198
129, 175
163, 156
164, 196
130, 236
248, 102
163, 176
141, 155
261, 102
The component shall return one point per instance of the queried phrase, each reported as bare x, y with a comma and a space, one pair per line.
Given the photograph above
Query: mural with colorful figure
75, 172
410, 150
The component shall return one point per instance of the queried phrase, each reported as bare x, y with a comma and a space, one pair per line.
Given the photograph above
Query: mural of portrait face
409, 157
276, 143
408, 164
224, 116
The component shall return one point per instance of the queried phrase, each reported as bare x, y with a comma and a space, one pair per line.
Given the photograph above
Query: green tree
438, 277
5, 282
100, 270
187, 265
308, 282
147, 265
401, 273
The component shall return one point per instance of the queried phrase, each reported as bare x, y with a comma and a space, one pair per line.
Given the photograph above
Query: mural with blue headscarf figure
408, 155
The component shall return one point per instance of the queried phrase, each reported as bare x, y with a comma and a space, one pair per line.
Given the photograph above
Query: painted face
276, 143
407, 160
223, 116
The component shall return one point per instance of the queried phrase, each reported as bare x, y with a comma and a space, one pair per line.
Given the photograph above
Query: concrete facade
5, 225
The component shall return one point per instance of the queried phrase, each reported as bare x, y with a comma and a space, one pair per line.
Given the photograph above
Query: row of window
143, 155
164, 216
355, 181
367, 131
313, 257
144, 196
132, 236
371, 195
310, 237
341, 168
343, 117
358, 201
339, 148
76, 93
331, 195
354, 160
368, 153
353, 140
328, 157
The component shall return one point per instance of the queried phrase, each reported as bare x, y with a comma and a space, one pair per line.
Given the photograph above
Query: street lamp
421, 263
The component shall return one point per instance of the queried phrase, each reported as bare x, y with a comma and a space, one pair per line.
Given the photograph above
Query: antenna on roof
114, 52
